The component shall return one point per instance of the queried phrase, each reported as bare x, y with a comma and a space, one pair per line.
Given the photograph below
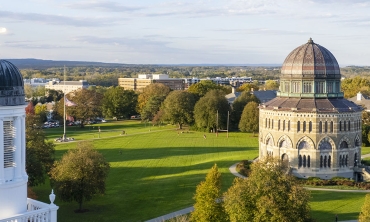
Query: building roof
362, 100
232, 96
11, 85
264, 95
310, 61
312, 105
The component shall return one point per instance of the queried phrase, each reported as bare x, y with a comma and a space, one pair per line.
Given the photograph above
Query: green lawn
158, 171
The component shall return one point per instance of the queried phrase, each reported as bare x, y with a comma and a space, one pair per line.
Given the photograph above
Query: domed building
15, 206
309, 124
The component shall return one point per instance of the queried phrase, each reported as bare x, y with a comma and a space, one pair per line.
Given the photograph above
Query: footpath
232, 170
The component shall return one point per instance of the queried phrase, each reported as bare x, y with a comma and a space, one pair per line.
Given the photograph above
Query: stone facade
313, 129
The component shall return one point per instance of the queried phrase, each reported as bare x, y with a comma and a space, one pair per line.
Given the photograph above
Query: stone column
2, 175
18, 148
23, 146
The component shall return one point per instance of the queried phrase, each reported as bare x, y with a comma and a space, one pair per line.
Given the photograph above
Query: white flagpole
64, 114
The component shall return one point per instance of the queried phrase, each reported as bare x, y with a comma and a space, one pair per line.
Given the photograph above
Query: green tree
248, 87
269, 194
151, 107
351, 86
40, 154
178, 107
238, 106
201, 88
88, 105
41, 110
271, 85
365, 210
118, 102
249, 121
54, 95
365, 134
155, 89
80, 174
208, 204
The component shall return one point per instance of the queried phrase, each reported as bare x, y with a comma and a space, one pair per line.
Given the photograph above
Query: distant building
362, 100
35, 82
264, 95
233, 81
143, 80
67, 86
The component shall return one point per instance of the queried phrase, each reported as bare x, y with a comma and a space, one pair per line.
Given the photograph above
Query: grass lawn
158, 171
325, 205
365, 150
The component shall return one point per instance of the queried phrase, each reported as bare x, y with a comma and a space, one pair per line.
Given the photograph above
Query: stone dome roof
310, 60
11, 85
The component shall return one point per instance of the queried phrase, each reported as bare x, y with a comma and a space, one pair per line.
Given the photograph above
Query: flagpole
64, 114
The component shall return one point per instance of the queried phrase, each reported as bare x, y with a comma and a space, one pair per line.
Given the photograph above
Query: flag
69, 103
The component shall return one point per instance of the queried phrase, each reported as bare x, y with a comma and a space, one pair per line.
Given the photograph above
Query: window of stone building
266, 123
286, 87
340, 125
283, 125
344, 125
298, 126
321, 161
310, 127
325, 161
343, 145
320, 87
296, 87
8, 136
330, 87
346, 161
329, 161
320, 127
278, 124
269, 123
355, 160
307, 87
304, 160
300, 161
340, 161
357, 142
326, 126
308, 161
331, 126
304, 126
272, 124
288, 125
304, 145
349, 125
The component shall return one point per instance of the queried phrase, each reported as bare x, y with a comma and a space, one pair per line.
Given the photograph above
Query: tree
151, 107
351, 86
201, 88
54, 95
80, 174
88, 105
238, 106
208, 204
118, 102
248, 87
155, 89
249, 121
271, 85
40, 154
206, 109
365, 210
178, 107
269, 194
41, 111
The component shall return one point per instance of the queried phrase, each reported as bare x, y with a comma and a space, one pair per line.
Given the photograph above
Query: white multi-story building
67, 86
15, 206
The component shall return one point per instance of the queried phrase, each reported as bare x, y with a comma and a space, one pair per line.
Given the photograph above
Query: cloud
3, 30
103, 6
264, 31
33, 45
57, 19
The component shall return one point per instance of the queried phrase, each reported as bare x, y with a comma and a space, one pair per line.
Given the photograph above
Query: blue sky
183, 31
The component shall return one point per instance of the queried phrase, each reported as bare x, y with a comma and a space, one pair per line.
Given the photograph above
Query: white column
2, 175
23, 145
18, 148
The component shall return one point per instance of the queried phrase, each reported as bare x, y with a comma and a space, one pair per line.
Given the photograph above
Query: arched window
269, 123
278, 124
340, 160
266, 123
340, 125
303, 145
326, 126
321, 161
343, 145
283, 125
355, 160
331, 126
325, 161
325, 145
300, 161
304, 160
272, 124
304, 126
308, 161
310, 127
357, 142
329, 161
345, 126
346, 160
320, 127
288, 125
298, 126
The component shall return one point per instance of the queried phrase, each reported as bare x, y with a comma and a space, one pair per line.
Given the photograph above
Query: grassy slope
158, 171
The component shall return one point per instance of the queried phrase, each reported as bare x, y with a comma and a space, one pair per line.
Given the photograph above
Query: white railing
36, 212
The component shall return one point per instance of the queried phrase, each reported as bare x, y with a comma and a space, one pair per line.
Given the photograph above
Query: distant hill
42, 64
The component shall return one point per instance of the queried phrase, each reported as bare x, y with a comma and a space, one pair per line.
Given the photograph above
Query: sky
183, 31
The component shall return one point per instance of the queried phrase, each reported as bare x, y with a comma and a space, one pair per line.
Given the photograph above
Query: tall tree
238, 106
151, 107
201, 88
118, 102
40, 154
248, 87
155, 89
208, 204
80, 174
351, 86
206, 109
365, 210
269, 194
249, 121
88, 105
178, 107
271, 85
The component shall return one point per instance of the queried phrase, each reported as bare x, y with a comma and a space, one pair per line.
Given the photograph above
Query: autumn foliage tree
208, 204
80, 174
158, 90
